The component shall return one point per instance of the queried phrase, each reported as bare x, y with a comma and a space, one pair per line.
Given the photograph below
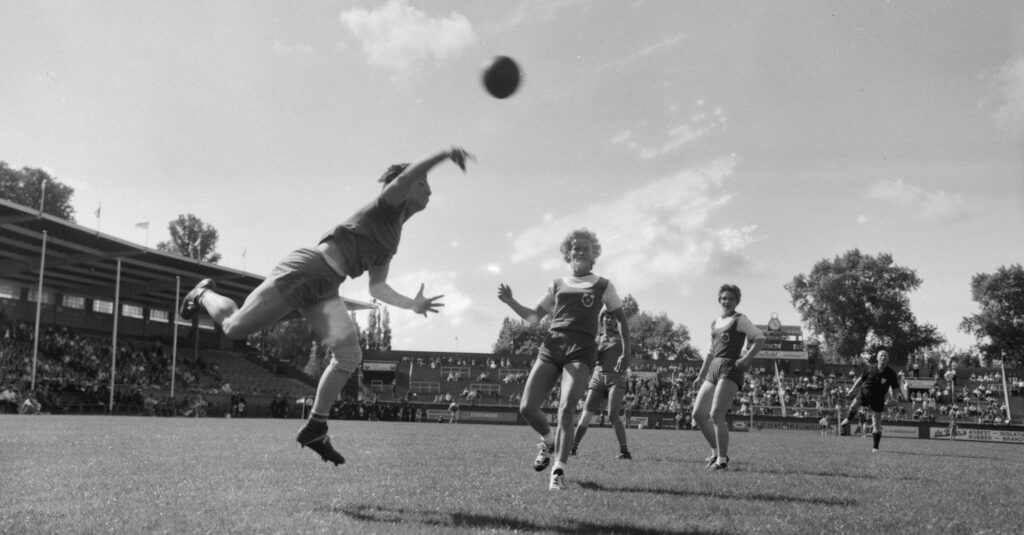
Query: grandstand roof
83, 261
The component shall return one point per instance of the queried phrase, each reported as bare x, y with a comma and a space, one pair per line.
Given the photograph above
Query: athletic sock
876, 437
549, 438
315, 418
623, 448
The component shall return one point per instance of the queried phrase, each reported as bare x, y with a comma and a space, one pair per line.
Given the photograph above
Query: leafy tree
377, 334
999, 326
518, 337
657, 336
26, 186
193, 238
858, 302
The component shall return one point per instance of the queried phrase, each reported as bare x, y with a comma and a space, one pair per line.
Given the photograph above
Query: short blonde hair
579, 233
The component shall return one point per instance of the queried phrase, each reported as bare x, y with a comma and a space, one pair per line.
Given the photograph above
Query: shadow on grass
953, 456
444, 520
754, 496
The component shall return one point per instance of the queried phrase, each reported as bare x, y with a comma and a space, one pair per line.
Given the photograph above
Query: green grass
98, 474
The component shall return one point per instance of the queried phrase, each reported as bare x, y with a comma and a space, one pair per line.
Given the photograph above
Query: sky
704, 142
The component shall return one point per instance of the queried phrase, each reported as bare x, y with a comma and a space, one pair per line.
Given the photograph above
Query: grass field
99, 474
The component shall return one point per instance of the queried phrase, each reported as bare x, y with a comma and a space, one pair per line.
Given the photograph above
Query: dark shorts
562, 347
601, 386
723, 368
304, 278
876, 403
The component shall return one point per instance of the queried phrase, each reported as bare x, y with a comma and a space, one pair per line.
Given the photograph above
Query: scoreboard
783, 342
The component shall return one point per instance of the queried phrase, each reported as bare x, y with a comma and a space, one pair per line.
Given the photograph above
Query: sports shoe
315, 437
544, 451
190, 305
625, 455
718, 465
557, 480
710, 460
874, 450
573, 450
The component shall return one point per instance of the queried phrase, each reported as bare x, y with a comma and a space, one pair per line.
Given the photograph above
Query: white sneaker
557, 480
544, 451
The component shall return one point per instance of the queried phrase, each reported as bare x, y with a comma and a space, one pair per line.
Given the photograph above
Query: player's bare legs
538, 385
702, 417
330, 321
614, 407
574, 378
262, 308
725, 391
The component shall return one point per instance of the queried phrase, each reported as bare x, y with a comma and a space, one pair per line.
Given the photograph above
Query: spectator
30, 405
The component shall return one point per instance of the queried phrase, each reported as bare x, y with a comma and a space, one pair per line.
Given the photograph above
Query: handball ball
501, 77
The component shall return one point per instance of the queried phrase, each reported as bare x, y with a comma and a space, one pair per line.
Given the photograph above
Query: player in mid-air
735, 341
608, 382
569, 350
307, 280
876, 382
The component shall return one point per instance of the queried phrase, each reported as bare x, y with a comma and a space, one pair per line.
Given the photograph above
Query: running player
875, 383
735, 341
308, 280
607, 383
569, 351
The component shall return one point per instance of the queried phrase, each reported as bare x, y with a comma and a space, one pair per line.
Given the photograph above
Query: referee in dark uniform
875, 383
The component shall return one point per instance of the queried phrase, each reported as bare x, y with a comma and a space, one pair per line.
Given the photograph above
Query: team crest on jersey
725, 337
588, 300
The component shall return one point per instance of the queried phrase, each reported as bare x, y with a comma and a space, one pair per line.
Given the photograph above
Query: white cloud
924, 205
1008, 99
661, 231
398, 37
675, 137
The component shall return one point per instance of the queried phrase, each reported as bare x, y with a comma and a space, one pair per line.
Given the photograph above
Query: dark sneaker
719, 465
544, 451
625, 455
315, 438
573, 450
710, 460
190, 305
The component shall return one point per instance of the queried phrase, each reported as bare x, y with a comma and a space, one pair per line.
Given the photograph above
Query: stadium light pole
39, 307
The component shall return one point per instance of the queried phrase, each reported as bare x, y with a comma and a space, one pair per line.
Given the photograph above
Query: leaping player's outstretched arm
530, 315
397, 191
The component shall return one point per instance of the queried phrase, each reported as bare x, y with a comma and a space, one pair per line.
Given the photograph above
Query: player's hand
505, 294
459, 156
423, 305
621, 365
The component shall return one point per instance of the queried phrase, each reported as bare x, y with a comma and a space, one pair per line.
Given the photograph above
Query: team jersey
729, 337
574, 303
609, 349
875, 382
370, 236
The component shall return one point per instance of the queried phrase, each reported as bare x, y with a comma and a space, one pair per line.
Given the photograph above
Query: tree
26, 186
658, 337
999, 326
518, 337
858, 302
193, 238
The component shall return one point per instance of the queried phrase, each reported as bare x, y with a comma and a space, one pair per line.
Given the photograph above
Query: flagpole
1006, 393
113, 344
174, 321
39, 305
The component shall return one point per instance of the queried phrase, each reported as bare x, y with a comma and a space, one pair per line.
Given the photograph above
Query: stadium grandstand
60, 283
64, 282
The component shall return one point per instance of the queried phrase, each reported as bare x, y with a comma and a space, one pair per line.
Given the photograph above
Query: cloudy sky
704, 142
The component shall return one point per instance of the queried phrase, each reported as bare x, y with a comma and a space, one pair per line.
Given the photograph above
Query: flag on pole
98, 210
142, 224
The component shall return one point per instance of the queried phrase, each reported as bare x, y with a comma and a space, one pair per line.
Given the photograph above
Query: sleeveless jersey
370, 236
609, 349
577, 309
728, 342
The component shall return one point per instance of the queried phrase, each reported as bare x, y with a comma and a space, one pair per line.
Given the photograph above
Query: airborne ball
501, 77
